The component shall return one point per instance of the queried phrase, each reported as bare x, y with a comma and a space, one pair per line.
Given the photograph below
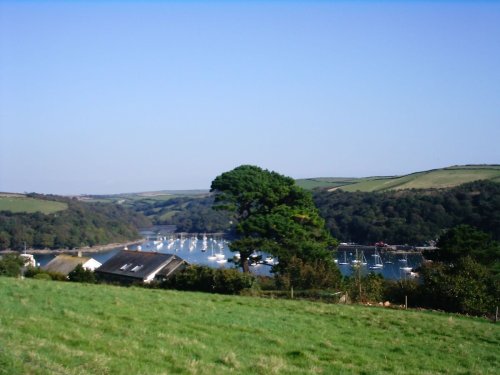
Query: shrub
34, 272
11, 265
318, 274
80, 274
42, 276
465, 287
365, 288
206, 279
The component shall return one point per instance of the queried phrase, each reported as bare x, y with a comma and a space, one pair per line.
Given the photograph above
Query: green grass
324, 182
433, 179
26, 204
65, 328
168, 215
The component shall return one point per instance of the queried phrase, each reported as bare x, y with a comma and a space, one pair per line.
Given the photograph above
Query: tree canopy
273, 215
464, 240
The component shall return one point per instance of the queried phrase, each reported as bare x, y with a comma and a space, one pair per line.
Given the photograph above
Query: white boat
221, 261
344, 262
269, 260
377, 262
212, 256
358, 260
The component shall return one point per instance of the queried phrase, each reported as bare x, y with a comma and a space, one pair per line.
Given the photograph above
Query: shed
140, 267
64, 264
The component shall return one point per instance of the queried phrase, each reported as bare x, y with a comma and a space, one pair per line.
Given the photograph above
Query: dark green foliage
189, 214
410, 216
42, 276
38, 273
464, 287
11, 265
196, 215
206, 279
464, 241
396, 290
273, 214
367, 288
81, 275
318, 274
82, 224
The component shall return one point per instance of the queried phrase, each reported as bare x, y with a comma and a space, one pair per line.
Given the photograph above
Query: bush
80, 274
11, 265
206, 279
42, 276
365, 288
35, 272
465, 287
395, 292
318, 274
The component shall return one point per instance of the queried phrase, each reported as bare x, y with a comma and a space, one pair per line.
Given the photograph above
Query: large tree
273, 214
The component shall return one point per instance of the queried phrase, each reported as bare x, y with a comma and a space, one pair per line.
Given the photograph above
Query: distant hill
433, 179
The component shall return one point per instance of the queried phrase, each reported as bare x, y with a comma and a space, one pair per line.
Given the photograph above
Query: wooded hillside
81, 224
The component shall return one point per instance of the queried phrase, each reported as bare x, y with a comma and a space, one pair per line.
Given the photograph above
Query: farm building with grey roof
140, 267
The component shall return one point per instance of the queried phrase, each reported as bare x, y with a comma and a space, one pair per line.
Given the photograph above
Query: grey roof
64, 263
172, 266
136, 264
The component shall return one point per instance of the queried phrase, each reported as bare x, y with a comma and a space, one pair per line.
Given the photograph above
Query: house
140, 267
64, 264
29, 260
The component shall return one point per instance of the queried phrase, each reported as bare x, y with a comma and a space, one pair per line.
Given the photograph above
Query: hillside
409, 216
53, 327
78, 225
432, 179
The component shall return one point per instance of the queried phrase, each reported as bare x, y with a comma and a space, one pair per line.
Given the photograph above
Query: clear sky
110, 97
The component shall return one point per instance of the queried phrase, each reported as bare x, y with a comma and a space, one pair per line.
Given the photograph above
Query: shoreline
87, 249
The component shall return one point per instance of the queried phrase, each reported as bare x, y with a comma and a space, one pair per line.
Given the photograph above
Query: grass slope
16, 203
433, 179
65, 328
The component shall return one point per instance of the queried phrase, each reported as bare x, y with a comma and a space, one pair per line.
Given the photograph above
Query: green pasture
30, 205
49, 327
434, 179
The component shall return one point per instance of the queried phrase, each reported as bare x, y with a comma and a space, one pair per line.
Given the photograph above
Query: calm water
197, 251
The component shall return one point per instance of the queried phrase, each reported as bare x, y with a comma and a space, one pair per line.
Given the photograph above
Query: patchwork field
19, 203
67, 328
433, 179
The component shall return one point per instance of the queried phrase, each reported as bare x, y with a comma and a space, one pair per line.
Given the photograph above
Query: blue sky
109, 97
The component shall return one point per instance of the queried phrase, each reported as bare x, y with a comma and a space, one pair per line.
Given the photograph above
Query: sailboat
377, 262
212, 257
406, 268
344, 262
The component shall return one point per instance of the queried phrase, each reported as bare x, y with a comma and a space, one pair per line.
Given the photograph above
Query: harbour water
215, 252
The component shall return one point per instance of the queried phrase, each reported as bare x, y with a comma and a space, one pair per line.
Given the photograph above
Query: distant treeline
410, 216
82, 224
404, 217
188, 214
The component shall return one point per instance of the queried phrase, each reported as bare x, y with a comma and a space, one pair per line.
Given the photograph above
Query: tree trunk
244, 264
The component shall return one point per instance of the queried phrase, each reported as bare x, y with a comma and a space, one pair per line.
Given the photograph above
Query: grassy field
16, 203
65, 328
435, 179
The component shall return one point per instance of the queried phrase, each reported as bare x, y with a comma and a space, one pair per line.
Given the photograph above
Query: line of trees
410, 216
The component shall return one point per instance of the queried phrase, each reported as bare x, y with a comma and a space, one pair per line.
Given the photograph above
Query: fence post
406, 302
496, 315
291, 292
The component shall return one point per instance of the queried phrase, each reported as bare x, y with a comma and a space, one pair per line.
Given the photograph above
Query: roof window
136, 268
